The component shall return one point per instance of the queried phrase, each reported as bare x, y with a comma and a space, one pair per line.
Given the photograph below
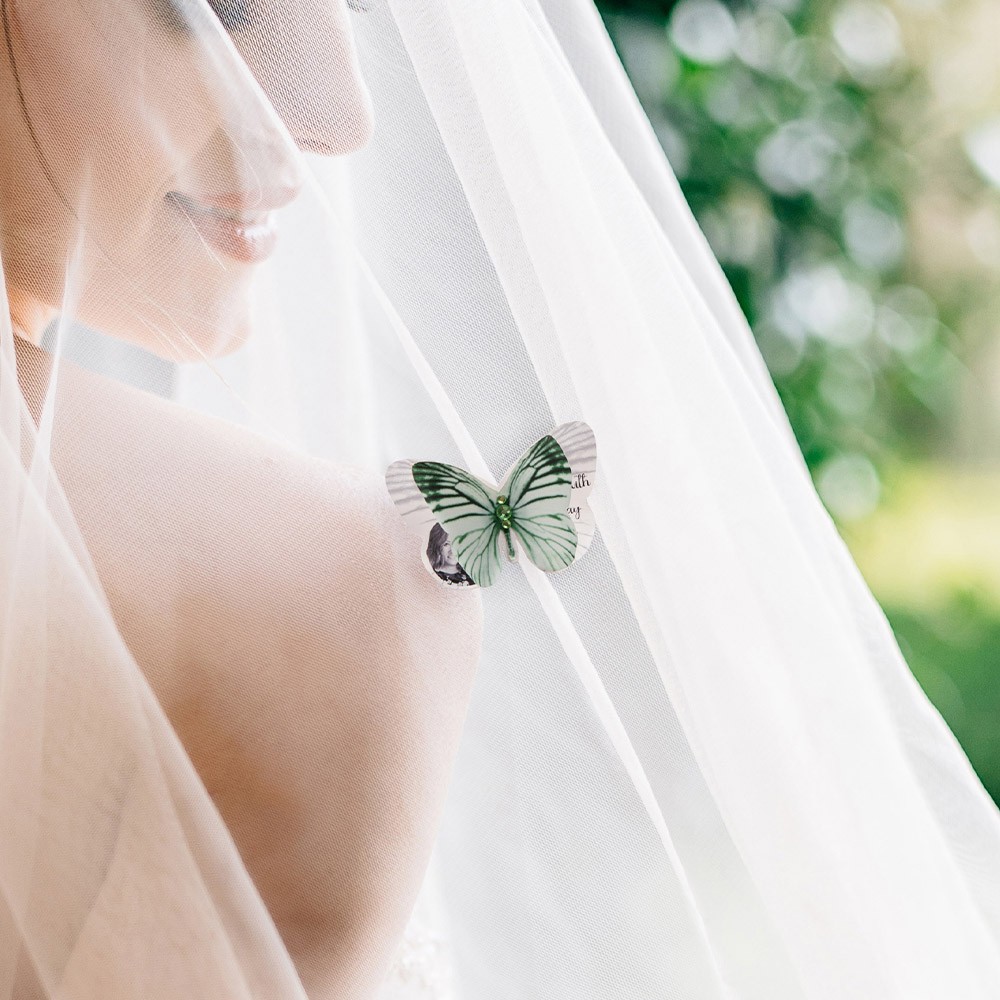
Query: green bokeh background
837, 154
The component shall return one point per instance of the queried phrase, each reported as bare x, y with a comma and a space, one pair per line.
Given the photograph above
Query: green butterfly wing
466, 509
544, 507
538, 489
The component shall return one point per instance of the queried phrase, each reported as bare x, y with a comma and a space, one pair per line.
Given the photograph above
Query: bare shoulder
329, 534
317, 676
251, 542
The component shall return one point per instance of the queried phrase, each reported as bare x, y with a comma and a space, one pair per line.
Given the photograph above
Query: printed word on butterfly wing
470, 526
580, 448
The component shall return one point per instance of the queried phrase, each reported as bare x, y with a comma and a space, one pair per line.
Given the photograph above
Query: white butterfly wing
577, 441
580, 447
407, 497
455, 517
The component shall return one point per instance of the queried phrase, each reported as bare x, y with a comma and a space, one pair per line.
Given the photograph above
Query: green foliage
791, 127
803, 139
953, 654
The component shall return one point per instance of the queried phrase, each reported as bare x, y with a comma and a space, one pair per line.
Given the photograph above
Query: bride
316, 676
254, 253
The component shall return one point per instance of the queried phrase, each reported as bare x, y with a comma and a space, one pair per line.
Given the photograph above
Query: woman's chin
226, 344
202, 344
212, 336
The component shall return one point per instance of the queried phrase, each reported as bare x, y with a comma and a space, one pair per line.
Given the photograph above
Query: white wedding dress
422, 968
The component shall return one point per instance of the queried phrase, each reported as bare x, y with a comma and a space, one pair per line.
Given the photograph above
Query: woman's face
139, 169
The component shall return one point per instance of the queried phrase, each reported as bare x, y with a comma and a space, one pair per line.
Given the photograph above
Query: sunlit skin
321, 706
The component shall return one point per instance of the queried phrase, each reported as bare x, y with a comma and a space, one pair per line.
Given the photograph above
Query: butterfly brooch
541, 509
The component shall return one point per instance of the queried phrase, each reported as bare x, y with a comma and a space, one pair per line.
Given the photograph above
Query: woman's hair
23, 105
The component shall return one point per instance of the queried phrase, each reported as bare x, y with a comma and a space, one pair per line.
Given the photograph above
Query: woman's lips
242, 227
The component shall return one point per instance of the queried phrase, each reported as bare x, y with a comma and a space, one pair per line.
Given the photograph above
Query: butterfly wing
580, 448
546, 489
538, 491
458, 513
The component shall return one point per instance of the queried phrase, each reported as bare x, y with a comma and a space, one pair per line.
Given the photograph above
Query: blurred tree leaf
790, 126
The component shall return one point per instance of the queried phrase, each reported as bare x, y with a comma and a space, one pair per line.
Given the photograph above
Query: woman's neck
33, 368
28, 316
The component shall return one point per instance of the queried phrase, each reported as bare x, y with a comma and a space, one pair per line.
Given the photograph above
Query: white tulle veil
694, 764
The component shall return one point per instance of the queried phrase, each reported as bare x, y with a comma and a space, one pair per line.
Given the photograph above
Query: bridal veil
695, 764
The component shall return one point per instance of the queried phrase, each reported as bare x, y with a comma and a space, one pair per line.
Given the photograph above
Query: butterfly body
541, 503
505, 516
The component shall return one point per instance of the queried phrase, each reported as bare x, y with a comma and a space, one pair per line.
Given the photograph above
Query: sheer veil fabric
253, 252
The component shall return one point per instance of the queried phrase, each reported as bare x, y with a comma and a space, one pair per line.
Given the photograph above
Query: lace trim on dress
421, 969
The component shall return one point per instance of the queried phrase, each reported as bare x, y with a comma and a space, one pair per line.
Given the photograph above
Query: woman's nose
305, 60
